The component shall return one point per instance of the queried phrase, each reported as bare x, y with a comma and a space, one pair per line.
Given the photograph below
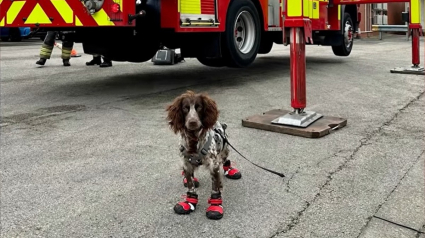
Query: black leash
271, 171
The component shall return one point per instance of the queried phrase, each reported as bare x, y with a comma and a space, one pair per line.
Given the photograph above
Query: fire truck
216, 32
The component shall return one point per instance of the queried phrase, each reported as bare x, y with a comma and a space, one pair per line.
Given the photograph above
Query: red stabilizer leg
215, 210
415, 47
297, 52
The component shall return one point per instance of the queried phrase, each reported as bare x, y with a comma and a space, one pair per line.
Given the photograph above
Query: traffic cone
74, 53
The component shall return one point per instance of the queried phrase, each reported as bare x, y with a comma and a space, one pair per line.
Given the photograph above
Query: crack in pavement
389, 195
364, 141
419, 234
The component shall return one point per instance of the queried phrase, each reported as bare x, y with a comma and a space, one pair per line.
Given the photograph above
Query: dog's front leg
215, 210
188, 171
189, 205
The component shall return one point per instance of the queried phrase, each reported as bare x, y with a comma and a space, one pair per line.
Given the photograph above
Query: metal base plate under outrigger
416, 70
310, 124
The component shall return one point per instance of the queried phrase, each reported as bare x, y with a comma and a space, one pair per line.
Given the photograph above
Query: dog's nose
192, 123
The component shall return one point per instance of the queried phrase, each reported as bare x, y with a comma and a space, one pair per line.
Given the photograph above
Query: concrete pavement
87, 153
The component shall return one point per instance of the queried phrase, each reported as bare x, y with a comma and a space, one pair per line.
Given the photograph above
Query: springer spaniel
202, 142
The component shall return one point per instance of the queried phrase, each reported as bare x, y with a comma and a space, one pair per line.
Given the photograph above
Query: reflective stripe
294, 8
47, 51
64, 10
78, 22
315, 10
415, 12
2, 22
306, 7
13, 11
38, 15
102, 19
339, 12
190, 6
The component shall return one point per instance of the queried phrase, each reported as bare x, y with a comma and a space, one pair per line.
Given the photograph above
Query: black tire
6, 38
344, 49
15, 34
231, 52
212, 62
266, 44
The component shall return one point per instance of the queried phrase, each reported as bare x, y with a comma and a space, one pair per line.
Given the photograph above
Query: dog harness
217, 134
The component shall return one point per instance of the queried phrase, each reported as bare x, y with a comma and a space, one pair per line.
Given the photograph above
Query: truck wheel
266, 44
15, 34
243, 34
6, 38
211, 62
344, 49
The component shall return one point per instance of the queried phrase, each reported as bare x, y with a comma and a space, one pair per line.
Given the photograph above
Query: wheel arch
259, 7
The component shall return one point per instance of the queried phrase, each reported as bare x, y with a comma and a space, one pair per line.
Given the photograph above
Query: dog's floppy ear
210, 112
175, 115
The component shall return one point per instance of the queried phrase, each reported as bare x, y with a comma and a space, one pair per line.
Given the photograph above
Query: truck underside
244, 33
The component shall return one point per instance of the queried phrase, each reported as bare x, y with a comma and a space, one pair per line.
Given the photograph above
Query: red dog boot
230, 172
195, 181
187, 206
215, 210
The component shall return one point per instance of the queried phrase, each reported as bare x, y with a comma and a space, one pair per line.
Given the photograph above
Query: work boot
106, 63
41, 61
215, 210
66, 62
230, 172
95, 60
187, 206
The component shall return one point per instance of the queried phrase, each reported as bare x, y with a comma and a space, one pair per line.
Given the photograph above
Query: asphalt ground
86, 151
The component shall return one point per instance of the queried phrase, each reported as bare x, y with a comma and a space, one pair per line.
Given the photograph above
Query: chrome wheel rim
348, 34
244, 32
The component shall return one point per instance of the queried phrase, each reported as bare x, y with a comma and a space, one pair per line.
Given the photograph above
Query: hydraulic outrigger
308, 123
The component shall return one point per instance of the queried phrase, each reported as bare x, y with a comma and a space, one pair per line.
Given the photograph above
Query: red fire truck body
217, 32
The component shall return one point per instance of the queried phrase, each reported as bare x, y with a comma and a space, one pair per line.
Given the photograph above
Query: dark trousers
48, 44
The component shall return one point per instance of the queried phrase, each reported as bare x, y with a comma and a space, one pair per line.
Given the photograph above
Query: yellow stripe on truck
2, 22
339, 12
315, 10
294, 8
102, 19
306, 8
78, 22
13, 11
64, 10
415, 12
190, 6
38, 15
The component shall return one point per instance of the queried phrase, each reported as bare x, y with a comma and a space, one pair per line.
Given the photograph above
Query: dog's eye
198, 107
186, 109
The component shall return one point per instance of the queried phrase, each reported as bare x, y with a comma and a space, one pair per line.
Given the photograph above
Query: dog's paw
187, 206
232, 173
215, 210
195, 181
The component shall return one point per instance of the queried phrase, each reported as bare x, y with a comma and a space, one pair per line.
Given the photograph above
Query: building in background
383, 14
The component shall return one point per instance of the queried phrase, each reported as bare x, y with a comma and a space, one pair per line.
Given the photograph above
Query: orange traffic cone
74, 53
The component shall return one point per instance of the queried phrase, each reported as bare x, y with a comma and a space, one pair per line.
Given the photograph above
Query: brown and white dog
202, 143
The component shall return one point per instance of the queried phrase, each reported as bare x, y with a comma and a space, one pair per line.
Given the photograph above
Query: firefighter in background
97, 60
47, 48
